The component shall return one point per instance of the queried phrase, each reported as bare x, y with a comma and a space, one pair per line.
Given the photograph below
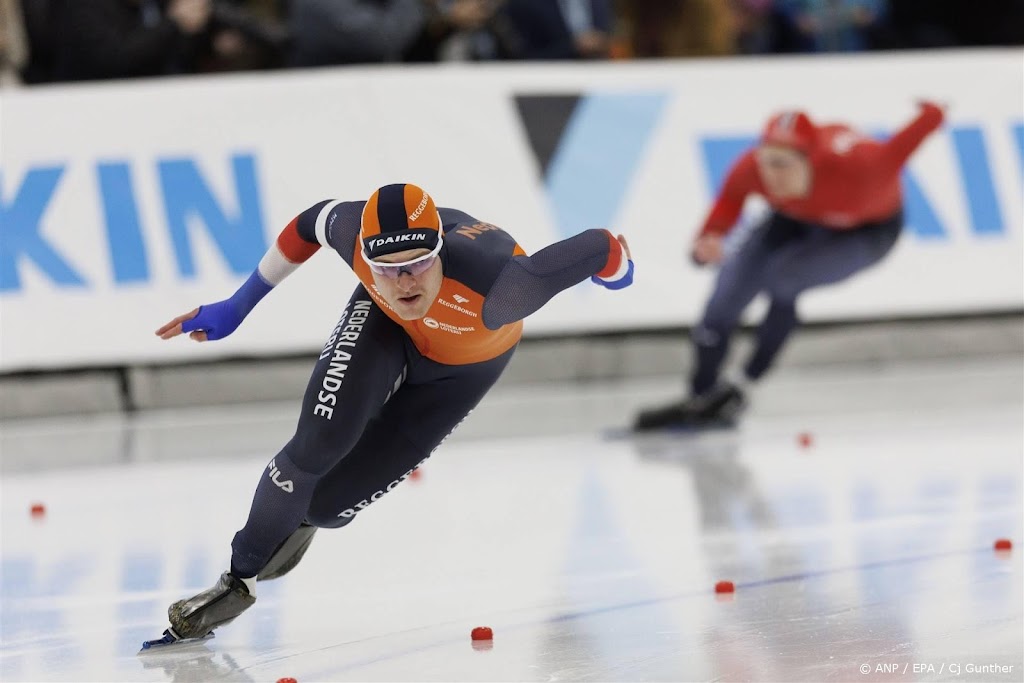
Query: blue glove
220, 319
623, 282
217, 320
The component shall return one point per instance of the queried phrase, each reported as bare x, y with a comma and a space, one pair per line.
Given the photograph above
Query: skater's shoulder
462, 228
475, 251
840, 143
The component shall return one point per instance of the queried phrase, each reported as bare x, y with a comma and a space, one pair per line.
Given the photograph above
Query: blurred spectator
353, 31
39, 31
245, 35
96, 39
929, 24
953, 23
678, 28
761, 27
836, 25
559, 29
463, 30
13, 43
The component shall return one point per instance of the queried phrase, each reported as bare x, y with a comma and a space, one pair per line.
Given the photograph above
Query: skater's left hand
707, 250
624, 279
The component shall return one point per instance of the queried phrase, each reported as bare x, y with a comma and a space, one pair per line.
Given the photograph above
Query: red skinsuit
855, 180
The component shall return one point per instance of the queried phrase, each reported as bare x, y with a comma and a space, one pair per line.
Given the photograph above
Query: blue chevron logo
588, 148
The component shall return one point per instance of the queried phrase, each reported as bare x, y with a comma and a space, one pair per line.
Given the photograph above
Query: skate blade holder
171, 641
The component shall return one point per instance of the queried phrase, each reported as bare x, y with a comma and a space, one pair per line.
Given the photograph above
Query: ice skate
718, 408
215, 607
288, 553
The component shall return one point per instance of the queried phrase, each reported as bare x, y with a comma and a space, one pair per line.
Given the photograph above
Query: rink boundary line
786, 578
570, 616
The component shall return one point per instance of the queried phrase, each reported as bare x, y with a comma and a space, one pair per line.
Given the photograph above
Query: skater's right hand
206, 323
174, 328
937, 110
706, 250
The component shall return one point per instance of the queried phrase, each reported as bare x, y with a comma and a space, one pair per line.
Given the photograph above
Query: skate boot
288, 553
724, 403
719, 407
215, 607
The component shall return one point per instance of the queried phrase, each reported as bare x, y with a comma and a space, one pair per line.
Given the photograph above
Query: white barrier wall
125, 204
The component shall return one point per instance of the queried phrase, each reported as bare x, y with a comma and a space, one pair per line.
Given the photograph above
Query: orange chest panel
452, 332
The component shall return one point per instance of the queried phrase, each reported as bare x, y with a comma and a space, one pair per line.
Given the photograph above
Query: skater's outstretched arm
739, 183
299, 240
528, 282
897, 150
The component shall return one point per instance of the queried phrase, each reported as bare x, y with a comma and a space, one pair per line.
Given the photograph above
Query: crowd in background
44, 41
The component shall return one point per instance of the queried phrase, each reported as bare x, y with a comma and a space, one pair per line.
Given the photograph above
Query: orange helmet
399, 217
790, 129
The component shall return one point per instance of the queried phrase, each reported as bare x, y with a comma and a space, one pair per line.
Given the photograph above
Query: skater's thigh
744, 271
362, 362
417, 419
828, 257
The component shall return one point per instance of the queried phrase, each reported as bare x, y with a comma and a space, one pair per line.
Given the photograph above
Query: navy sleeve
336, 223
528, 282
306, 222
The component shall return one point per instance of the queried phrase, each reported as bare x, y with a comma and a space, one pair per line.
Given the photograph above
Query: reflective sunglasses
415, 267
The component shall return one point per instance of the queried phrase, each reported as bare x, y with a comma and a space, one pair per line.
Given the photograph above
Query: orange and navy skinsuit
386, 392
489, 286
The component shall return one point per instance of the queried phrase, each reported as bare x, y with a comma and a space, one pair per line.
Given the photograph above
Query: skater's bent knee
326, 519
311, 456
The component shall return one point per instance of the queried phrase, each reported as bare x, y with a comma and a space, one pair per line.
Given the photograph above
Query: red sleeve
293, 247
615, 255
740, 182
900, 146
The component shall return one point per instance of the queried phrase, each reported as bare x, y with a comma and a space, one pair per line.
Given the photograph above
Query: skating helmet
791, 129
399, 217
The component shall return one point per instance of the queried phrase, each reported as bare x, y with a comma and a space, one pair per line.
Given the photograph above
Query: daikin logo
228, 219
224, 219
405, 237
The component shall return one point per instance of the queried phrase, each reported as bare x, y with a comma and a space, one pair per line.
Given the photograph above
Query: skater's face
409, 294
785, 172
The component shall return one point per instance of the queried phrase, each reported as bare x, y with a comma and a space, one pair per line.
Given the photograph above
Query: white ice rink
591, 558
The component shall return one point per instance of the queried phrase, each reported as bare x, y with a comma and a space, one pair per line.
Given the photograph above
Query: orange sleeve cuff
614, 257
